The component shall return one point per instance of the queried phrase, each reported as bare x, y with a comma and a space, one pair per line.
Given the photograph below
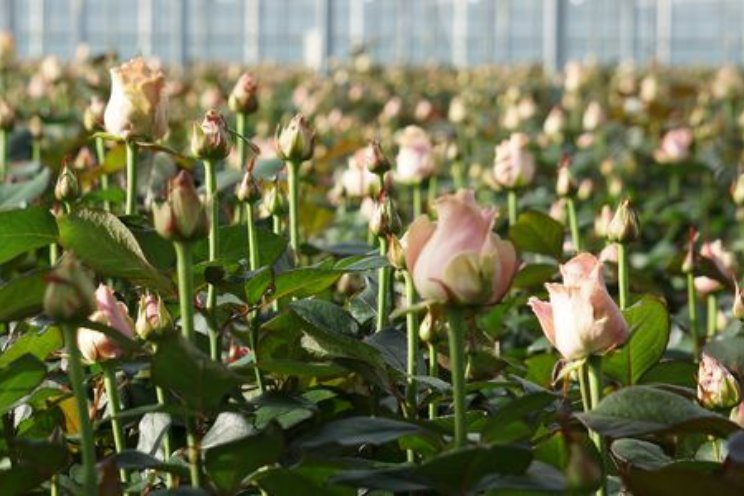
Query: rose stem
417, 201
622, 275
101, 157
3, 154
511, 197
712, 314
573, 224
131, 206
412, 352
433, 372
692, 309
294, 228
253, 262
167, 450
383, 288
210, 179
594, 372
185, 295
77, 378
114, 407
456, 335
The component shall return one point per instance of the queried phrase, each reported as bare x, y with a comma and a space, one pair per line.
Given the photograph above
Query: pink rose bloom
357, 180
723, 261
458, 259
514, 165
594, 116
137, 105
415, 160
96, 346
581, 318
674, 146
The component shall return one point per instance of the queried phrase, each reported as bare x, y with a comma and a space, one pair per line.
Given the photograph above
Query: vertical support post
503, 31
324, 26
252, 32
553, 29
356, 22
460, 33
664, 31
627, 26
178, 41
36, 19
144, 27
402, 31
77, 24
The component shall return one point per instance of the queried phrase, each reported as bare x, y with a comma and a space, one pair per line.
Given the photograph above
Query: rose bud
93, 114
385, 219
737, 309
210, 139
153, 317
96, 346
296, 142
581, 317
70, 291
555, 123
375, 159
565, 185
457, 111
624, 226
514, 165
67, 188
396, 252
737, 190
243, 97
275, 200
137, 105
7, 115
415, 160
357, 180
459, 259
84, 159
431, 329
602, 221
674, 146
36, 127
594, 116
722, 259
182, 217
737, 415
248, 191
717, 387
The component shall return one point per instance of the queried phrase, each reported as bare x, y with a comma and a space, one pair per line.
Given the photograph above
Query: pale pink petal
544, 313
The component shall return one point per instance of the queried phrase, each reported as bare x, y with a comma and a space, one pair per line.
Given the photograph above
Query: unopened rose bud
274, 200
738, 307
624, 227
717, 386
243, 97
36, 127
182, 217
7, 115
295, 142
93, 114
377, 162
565, 185
349, 284
737, 190
385, 220
153, 318
210, 139
431, 329
248, 190
396, 252
457, 110
737, 414
602, 221
96, 346
67, 188
70, 291
84, 159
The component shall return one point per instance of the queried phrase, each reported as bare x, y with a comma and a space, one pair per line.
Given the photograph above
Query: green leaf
37, 461
641, 410
676, 372
534, 275
18, 379
105, 244
329, 327
234, 245
229, 463
180, 367
648, 321
23, 296
20, 194
37, 344
641, 454
515, 410
133, 459
536, 232
354, 431
298, 481
24, 230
